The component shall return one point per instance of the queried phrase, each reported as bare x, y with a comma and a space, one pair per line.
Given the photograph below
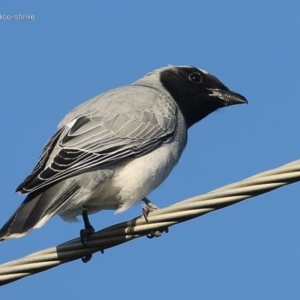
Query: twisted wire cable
157, 221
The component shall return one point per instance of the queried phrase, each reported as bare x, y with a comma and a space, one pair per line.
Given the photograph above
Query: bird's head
196, 92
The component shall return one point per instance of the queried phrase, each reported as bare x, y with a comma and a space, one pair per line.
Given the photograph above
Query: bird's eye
195, 77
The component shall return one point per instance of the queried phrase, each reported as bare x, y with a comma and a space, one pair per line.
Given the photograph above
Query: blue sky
74, 50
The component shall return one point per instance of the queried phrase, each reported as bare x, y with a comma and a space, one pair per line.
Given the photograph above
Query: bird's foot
157, 233
146, 209
85, 233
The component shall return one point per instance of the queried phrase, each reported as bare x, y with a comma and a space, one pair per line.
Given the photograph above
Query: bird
111, 151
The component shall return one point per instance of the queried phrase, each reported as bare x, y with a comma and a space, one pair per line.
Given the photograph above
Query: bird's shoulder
124, 100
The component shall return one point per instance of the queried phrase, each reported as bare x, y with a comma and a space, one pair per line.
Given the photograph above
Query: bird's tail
35, 211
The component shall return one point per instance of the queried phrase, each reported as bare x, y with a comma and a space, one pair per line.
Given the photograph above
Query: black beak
229, 97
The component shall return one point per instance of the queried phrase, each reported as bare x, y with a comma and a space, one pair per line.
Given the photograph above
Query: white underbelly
140, 176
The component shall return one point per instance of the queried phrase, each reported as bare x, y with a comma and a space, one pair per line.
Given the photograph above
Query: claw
86, 258
84, 233
146, 209
156, 233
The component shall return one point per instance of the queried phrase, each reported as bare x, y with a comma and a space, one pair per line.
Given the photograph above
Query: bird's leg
146, 209
88, 230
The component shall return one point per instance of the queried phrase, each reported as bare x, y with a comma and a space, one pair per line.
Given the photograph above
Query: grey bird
113, 150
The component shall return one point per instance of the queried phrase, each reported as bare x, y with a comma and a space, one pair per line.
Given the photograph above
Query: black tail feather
37, 205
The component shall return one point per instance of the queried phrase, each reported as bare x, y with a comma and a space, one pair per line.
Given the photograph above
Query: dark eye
195, 77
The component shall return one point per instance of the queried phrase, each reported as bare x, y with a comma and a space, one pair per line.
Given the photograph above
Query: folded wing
111, 127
